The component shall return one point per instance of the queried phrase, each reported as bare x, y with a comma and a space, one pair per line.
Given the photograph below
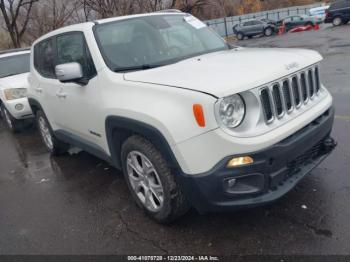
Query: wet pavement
77, 204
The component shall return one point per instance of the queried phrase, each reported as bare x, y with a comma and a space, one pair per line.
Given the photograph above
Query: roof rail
169, 11
14, 50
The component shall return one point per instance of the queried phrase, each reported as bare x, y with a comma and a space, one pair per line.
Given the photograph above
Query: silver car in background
254, 28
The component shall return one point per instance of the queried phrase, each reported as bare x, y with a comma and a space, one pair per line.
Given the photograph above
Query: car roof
119, 18
13, 52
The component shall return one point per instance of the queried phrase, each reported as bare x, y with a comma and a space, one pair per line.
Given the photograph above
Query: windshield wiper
135, 68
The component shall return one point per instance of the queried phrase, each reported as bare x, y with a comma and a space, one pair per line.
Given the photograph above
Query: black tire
175, 203
11, 123
268, 31
337, 21
58, 147
240, 36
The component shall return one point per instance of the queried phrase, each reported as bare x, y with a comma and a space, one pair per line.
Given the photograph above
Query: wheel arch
119, 129
35, 105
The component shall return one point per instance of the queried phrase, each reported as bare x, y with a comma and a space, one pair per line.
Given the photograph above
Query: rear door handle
39, 90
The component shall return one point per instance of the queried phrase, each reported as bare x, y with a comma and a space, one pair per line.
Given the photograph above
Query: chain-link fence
224, 26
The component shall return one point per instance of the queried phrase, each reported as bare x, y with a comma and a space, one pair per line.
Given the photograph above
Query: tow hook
330, 144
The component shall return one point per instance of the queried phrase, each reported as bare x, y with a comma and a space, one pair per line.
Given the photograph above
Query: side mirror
70, 72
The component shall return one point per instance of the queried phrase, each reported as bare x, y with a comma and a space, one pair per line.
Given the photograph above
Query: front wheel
52, 144
268, 32
337, 21
151, 182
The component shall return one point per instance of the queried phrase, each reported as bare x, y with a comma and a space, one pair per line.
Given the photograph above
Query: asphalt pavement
78, 204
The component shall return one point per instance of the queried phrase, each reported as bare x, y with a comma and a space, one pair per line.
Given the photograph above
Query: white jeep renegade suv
191, 120
14, 70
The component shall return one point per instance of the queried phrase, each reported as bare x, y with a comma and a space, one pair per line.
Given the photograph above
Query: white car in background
14, 69
318, 12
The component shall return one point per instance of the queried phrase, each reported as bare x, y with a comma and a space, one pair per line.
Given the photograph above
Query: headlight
231, 111
15, 93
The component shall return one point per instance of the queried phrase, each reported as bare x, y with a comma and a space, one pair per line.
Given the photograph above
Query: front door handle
39, 90
61, 95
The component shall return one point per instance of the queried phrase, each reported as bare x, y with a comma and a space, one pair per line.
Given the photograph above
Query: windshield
150, 41
14, 65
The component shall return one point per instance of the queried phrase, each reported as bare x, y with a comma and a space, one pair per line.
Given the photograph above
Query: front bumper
274, 173
23, 110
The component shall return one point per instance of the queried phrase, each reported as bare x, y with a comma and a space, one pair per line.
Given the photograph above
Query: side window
72, 47
44, 58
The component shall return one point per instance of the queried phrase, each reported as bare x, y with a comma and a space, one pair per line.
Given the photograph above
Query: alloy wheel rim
268, 32
8, 119
337, 21
45, 133
145, 181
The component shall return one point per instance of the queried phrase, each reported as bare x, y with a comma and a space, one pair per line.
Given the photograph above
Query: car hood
16, 81
228, 72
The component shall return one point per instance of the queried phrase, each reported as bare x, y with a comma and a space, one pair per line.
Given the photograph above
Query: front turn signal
240, 161
199, 114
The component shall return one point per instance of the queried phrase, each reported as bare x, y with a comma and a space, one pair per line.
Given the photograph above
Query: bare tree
108, 8
16, 14
195, 7
49, 15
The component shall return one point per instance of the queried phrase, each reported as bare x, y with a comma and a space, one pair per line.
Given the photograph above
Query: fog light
19, 107
240, 161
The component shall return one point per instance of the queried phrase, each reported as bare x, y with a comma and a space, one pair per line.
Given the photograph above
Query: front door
77, 111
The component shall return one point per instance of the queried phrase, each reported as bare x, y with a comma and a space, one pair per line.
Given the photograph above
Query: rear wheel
337, 21
52, 144
151, 182
11, 123
240, 36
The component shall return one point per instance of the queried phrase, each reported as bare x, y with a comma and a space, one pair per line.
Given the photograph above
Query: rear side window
44, 58
72, 47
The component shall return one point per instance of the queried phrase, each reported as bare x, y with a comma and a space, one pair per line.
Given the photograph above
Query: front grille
278, 99
311, 83
317, 79
296, 93
303, 86
290, 94
267, 106
287, 95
